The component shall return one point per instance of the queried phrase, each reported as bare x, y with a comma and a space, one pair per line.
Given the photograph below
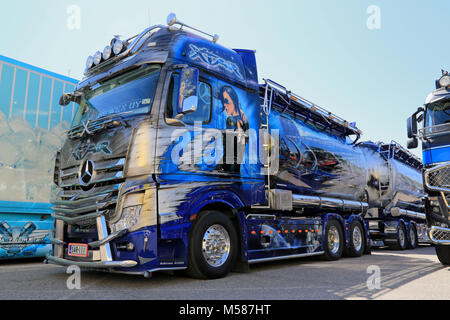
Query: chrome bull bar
101, 259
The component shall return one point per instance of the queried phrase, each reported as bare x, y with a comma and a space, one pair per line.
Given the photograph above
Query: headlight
444, 82
107, 52
130, 218
97, 58
118, 46
90, 62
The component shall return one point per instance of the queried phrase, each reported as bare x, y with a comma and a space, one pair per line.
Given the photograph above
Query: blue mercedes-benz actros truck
177, 159
435, 137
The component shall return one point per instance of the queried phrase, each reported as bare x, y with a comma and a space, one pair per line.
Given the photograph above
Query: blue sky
321, 50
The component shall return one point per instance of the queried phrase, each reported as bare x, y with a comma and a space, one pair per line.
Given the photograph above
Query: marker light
107, 52
444, 82
97, 58
118, 46
90, 62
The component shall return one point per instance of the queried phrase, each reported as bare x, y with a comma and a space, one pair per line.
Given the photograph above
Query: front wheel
212, 246
443, 254
334, 241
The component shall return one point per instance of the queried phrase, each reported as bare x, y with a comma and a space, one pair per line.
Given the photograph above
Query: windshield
437, 113
132, 92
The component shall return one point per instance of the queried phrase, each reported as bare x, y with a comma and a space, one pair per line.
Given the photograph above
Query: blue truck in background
435, 138
178, 159
31, 126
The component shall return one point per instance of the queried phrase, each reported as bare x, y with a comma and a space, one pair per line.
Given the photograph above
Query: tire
400, 242
413, 241
357, 245
443, 254
333, 241
213, 231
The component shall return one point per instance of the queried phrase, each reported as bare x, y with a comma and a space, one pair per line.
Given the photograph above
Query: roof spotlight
444, 81
89, 62
117, 46
97, 58
107, 53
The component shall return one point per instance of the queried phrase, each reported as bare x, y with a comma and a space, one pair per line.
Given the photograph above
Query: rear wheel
334, 241
413, 242
357, 240
212, 246
443, 254
401, 241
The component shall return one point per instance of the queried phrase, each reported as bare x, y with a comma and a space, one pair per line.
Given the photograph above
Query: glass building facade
32, 129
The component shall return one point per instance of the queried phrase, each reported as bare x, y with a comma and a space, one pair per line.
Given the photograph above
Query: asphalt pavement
385, 274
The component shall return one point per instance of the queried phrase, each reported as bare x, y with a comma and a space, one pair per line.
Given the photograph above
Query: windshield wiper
102, 123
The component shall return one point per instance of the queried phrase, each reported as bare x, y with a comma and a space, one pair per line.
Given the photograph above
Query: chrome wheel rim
333, 240
216, 245
357, 238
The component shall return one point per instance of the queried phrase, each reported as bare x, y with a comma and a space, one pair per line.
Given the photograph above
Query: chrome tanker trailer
327, 171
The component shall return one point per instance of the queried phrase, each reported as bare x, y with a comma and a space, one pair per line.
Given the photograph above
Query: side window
203, 113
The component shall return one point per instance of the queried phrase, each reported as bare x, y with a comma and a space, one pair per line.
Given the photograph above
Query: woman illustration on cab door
235, 117
237, 121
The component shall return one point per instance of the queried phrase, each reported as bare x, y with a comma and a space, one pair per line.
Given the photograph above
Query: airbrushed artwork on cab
216, 148
220, 145
315, 162
22, 240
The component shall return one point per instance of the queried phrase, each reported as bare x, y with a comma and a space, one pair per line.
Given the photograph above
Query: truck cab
435, 138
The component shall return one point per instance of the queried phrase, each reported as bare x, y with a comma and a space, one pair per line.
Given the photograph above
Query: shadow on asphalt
300, 278
12, 262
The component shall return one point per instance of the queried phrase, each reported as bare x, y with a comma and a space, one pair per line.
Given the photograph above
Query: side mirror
411, 126
412, 143
187, 96
67, 98
64, 100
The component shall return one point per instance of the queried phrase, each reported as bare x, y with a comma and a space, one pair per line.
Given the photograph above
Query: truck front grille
100, 196
438, 178
440, 235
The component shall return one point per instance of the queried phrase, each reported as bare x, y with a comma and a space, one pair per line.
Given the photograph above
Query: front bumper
94, 265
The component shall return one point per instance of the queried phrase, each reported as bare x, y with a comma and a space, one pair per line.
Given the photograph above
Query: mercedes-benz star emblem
86, 172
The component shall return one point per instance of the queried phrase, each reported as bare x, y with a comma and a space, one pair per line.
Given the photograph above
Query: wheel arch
231, 205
